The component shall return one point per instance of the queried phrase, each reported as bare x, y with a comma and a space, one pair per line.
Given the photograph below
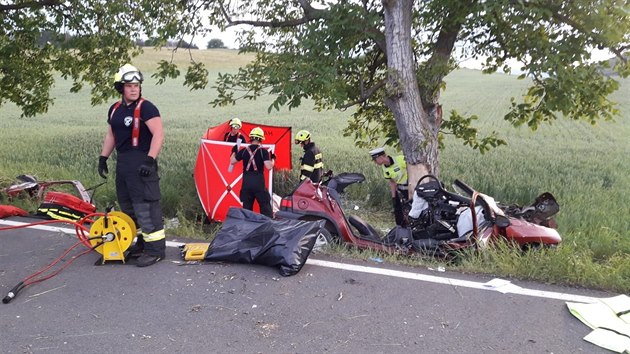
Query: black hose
13, 293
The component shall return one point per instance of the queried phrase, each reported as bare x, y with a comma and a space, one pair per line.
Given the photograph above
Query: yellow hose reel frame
117, 226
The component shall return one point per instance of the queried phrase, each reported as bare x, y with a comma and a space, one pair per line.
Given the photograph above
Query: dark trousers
399, 212
254, 189
139, 197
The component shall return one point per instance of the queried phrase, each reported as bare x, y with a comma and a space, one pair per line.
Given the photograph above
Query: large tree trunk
417, 126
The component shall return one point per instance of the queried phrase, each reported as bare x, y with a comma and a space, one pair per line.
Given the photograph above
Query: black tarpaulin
248, 237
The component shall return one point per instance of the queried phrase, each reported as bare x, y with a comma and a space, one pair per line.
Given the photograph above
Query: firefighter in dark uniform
235, 132
311, 164
234, 136
395, 171
255, 160
135, 130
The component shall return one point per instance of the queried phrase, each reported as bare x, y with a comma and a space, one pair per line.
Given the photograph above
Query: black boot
154, 252
146, 260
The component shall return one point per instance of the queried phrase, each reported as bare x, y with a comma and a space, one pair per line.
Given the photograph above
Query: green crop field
585, 167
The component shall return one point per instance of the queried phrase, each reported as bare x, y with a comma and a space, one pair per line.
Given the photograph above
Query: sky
228, 37
229, 40
597, 55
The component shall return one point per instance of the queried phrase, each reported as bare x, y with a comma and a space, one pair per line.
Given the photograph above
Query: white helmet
127, 74
236, 123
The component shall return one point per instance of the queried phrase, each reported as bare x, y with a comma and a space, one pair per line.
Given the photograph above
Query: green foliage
85, 42
565, 94
99, 35
166, 69
196, 76
369, 124
461, 127
337, 57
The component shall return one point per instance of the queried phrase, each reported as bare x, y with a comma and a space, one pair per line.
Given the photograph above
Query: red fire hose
83, 234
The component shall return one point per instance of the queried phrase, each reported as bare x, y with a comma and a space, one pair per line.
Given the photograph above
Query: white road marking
513, 289
38, 227
65, 230
450, 281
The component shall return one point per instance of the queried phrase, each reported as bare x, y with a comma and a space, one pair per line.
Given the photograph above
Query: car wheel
323, 241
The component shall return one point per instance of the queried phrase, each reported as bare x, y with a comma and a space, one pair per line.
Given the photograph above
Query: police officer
135, 130
311, 164
255, 160
395, 171
235, 131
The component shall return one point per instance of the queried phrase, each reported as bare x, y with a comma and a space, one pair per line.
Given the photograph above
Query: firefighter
234, 136
255, 160
235, 131
311, 164
135, 130
395, 171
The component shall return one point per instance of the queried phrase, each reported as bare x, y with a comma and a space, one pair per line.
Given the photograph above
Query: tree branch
365, 94
378, 61
30, 5
556, 14
436, 64
310, 14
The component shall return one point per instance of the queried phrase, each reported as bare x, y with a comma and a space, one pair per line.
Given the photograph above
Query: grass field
586, 167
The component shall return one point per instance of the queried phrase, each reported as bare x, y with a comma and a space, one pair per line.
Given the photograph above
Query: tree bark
417, 126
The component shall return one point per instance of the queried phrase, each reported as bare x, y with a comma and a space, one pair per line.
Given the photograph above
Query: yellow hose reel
112, 235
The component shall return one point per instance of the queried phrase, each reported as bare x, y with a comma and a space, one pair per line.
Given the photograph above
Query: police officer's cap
377, 152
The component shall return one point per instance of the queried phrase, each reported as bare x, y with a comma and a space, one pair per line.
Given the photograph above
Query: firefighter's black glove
148, 167
102, 166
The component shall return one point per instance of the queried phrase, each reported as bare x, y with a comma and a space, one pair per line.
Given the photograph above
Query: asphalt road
241, 308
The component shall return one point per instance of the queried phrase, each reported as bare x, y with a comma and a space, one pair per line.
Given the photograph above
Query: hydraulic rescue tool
194, 251
54, 204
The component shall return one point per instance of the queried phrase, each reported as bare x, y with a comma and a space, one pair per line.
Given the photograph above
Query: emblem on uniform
128, 121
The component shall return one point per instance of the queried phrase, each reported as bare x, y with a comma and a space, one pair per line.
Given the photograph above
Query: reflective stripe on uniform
154, 236
135, 132
59, 214
318, 161
318, 164
313, 166
251, 163
397, 171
